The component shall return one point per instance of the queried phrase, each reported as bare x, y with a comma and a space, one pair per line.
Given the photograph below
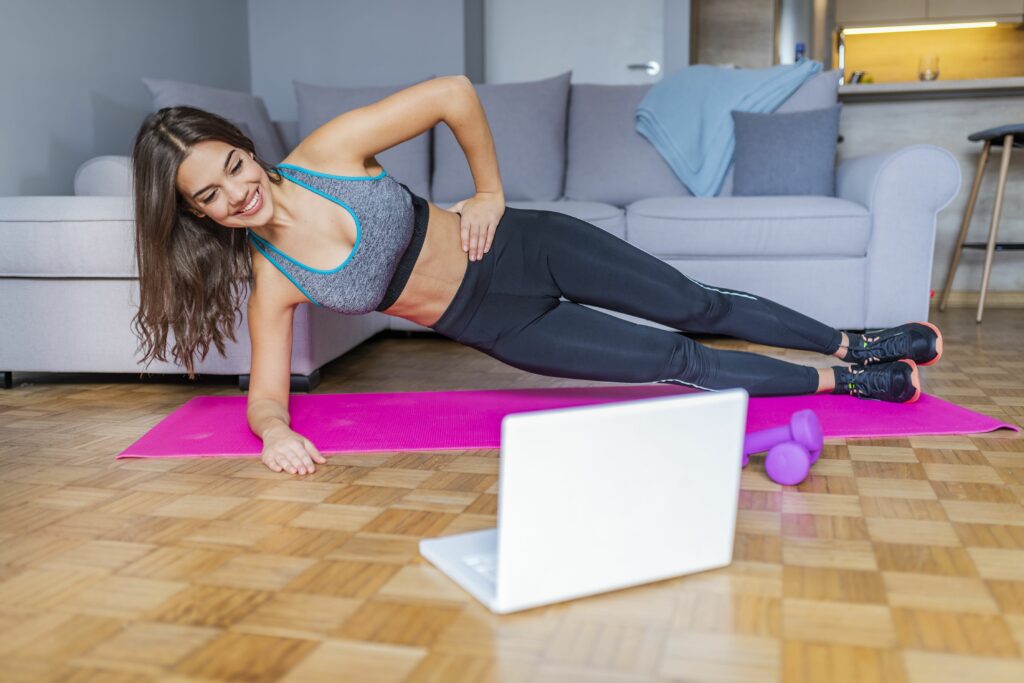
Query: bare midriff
438, 272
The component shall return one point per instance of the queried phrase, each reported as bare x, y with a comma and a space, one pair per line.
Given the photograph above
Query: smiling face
220, 181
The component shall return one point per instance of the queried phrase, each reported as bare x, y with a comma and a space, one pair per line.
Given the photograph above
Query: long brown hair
194, 274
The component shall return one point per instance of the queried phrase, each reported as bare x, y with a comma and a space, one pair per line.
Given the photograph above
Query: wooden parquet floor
897, 560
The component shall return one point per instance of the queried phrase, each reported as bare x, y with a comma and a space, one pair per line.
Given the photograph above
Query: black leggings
508, 306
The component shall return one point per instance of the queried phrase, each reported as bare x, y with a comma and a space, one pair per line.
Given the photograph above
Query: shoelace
896, 346
873, 381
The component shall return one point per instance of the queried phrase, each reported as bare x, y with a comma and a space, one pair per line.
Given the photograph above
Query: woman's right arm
283, 448
270, 332
266, 414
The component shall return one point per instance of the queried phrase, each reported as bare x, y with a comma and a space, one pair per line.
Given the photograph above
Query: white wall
72, 69
354, 42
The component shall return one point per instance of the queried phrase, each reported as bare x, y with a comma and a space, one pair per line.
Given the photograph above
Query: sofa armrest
65, 208
108, 176
65, 236
904, 190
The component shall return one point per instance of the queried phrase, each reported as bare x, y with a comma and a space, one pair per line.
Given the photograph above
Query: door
598, 40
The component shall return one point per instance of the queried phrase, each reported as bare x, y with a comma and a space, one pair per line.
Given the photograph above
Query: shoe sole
938, 344
915, 380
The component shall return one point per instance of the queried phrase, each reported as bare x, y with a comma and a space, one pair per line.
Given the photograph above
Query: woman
215, 221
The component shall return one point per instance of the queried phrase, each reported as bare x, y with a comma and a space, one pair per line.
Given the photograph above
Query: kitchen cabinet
880, 12
738, 32
849, 12
974, 9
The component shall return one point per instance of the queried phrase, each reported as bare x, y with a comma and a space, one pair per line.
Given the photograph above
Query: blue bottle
801, 50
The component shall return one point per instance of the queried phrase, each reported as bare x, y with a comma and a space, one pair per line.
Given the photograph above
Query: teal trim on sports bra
359, 230
278, 266
359, 225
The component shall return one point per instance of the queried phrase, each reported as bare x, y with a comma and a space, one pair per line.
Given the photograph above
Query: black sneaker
897, 382
920, 342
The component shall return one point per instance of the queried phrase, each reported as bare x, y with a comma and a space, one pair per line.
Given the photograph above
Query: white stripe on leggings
699, 284
720, 291
679, 381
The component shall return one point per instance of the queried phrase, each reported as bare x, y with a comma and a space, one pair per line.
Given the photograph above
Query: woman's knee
690, 361
705, 308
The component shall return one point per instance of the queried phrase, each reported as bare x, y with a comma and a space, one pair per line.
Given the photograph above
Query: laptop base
449, 554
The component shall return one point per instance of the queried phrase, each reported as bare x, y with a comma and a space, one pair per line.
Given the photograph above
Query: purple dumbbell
804, 428
791, 448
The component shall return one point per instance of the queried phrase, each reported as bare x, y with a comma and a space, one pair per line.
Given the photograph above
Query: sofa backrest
408, 161
247, 111
608, 161
603, 158
289, 132
527, 121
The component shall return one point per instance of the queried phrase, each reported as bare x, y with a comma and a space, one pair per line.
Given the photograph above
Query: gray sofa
861, 259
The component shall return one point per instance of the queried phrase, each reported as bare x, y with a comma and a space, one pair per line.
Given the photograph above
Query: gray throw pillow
240, 108
786, 154
608, 161
407, 162
817, 92
527, 122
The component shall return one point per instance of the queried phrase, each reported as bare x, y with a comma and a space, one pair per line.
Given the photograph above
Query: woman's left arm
481, 212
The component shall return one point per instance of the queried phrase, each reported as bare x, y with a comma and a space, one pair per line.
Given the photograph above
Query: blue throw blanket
686, 116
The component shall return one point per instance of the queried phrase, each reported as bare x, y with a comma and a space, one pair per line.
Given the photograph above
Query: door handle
652, 67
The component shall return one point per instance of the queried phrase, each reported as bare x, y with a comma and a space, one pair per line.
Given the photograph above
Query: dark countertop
938, 89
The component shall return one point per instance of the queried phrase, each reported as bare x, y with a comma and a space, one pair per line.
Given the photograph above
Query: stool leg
990, 248
968, 213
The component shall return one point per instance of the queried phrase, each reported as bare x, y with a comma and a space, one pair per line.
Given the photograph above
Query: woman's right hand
287, 450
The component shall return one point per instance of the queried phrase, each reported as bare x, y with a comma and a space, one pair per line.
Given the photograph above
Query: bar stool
1009, 137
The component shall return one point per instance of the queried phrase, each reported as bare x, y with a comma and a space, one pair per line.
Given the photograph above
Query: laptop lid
600, 497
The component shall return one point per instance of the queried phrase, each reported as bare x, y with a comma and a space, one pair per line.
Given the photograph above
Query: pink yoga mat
443, 420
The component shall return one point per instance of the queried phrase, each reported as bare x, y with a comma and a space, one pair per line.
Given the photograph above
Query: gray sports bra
390, 225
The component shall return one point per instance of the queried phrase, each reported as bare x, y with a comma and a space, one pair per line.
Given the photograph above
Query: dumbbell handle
755, 442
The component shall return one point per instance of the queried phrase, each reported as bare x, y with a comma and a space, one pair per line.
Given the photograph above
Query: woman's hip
502, 271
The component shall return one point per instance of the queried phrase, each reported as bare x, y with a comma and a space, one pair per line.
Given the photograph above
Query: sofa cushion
527, 122
606, 159
677, 227
407, 162
786, 154
67, 237
817, 92
237, 107
288, 132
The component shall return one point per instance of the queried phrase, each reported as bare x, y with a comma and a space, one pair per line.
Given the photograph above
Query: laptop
601, 497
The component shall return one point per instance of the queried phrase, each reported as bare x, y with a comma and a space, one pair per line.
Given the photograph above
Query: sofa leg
304, 383
8, 379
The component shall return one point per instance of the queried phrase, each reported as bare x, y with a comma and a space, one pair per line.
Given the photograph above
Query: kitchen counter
938, 89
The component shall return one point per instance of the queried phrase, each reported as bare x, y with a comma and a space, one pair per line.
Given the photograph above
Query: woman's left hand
480, 215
